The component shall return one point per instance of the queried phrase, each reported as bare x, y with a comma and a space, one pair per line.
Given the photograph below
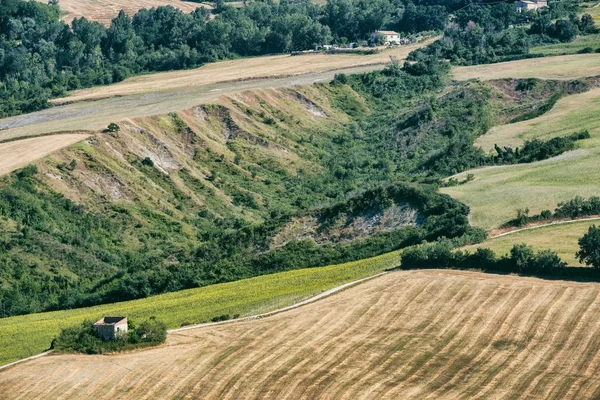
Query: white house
531, 5
391, 37
111, 328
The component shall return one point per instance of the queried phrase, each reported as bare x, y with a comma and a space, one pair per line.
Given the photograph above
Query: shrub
83, 338
113, 128
148, 161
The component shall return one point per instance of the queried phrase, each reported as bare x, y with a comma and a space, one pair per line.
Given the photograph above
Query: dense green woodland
41, 57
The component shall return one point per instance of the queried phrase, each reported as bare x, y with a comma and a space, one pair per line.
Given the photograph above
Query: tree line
522, 259
42, 57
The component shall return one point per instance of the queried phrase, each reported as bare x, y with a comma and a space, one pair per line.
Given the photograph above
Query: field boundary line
25, 359
572, 221
301, 303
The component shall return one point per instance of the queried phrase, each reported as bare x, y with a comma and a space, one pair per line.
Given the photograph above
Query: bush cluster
574, 208
522, 259
83, 338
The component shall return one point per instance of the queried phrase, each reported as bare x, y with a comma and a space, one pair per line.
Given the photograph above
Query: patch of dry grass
560, 67
17, 154
408, 335
560, 238
104, 11
237, 70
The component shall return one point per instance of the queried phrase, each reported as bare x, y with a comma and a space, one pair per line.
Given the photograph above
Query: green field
573, 47
497, 192
560, 238
23, 336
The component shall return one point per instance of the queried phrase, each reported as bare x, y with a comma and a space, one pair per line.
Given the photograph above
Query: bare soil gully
406, 334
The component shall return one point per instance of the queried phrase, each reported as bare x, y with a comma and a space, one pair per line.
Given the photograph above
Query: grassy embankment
560, 238
560, 67
23, 336
497, 192
573, 47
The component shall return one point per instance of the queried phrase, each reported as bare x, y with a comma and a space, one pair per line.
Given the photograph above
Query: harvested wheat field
413, 334
19, 153
104, 11
560, 67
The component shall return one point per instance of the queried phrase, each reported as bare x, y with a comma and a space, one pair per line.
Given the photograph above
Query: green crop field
560, 238
23, 336
497, 192
578, 44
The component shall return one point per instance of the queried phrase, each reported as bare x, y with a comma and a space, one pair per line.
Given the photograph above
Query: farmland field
237, 70
559, 67
23, 336
18, 154
414, 334
497, 192
174, 91
104, 11
560, 238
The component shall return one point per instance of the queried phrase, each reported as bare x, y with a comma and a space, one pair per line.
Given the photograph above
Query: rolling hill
416, 334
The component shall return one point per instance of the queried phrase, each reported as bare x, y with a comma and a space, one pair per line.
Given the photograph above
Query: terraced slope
417, 334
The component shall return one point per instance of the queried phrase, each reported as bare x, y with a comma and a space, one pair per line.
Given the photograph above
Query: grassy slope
560, 238
23, 336
581, 42
405, 335
573, 47
236, 70
497, 192
560, 67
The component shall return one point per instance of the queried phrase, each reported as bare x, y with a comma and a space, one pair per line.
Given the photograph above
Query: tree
589, 247
522, 257
587, 24
113, 128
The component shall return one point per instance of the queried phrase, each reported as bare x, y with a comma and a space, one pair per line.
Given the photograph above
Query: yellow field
26, 335
405, 335
104, 11
14, 155
236, 70
560, 67
560, 238
497, 192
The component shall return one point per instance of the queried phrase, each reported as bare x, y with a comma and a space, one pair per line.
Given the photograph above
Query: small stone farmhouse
391, 37
531, 5
111, 328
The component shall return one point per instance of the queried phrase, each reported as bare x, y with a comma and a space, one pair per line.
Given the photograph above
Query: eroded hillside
261, 181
